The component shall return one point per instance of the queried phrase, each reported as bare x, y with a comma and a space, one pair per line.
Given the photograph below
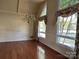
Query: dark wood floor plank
27, 50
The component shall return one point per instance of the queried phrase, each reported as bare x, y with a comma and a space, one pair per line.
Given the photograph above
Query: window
66, 30
66, 3
66, 26
44, 11
41, 23
41, 29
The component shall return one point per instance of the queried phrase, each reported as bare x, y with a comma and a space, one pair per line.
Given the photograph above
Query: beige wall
8, 5
14, 28
50, 39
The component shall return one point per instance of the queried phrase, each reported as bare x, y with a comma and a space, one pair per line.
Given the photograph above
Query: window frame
66, 12
67, 4
65, 38
43, 18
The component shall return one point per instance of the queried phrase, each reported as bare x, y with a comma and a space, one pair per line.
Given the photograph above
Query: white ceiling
34, 5
24, 5
38, 1
35, 1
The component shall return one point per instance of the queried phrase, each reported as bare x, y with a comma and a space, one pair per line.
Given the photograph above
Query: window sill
65, 46
41, 38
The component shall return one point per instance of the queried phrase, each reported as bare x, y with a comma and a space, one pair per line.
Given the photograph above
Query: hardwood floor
27, 50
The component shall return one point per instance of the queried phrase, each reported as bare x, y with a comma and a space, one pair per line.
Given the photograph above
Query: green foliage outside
67, 3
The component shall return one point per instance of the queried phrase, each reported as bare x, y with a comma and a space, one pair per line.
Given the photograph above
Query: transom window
66, 3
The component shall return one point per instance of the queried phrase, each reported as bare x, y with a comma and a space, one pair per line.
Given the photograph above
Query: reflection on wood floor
27, 50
